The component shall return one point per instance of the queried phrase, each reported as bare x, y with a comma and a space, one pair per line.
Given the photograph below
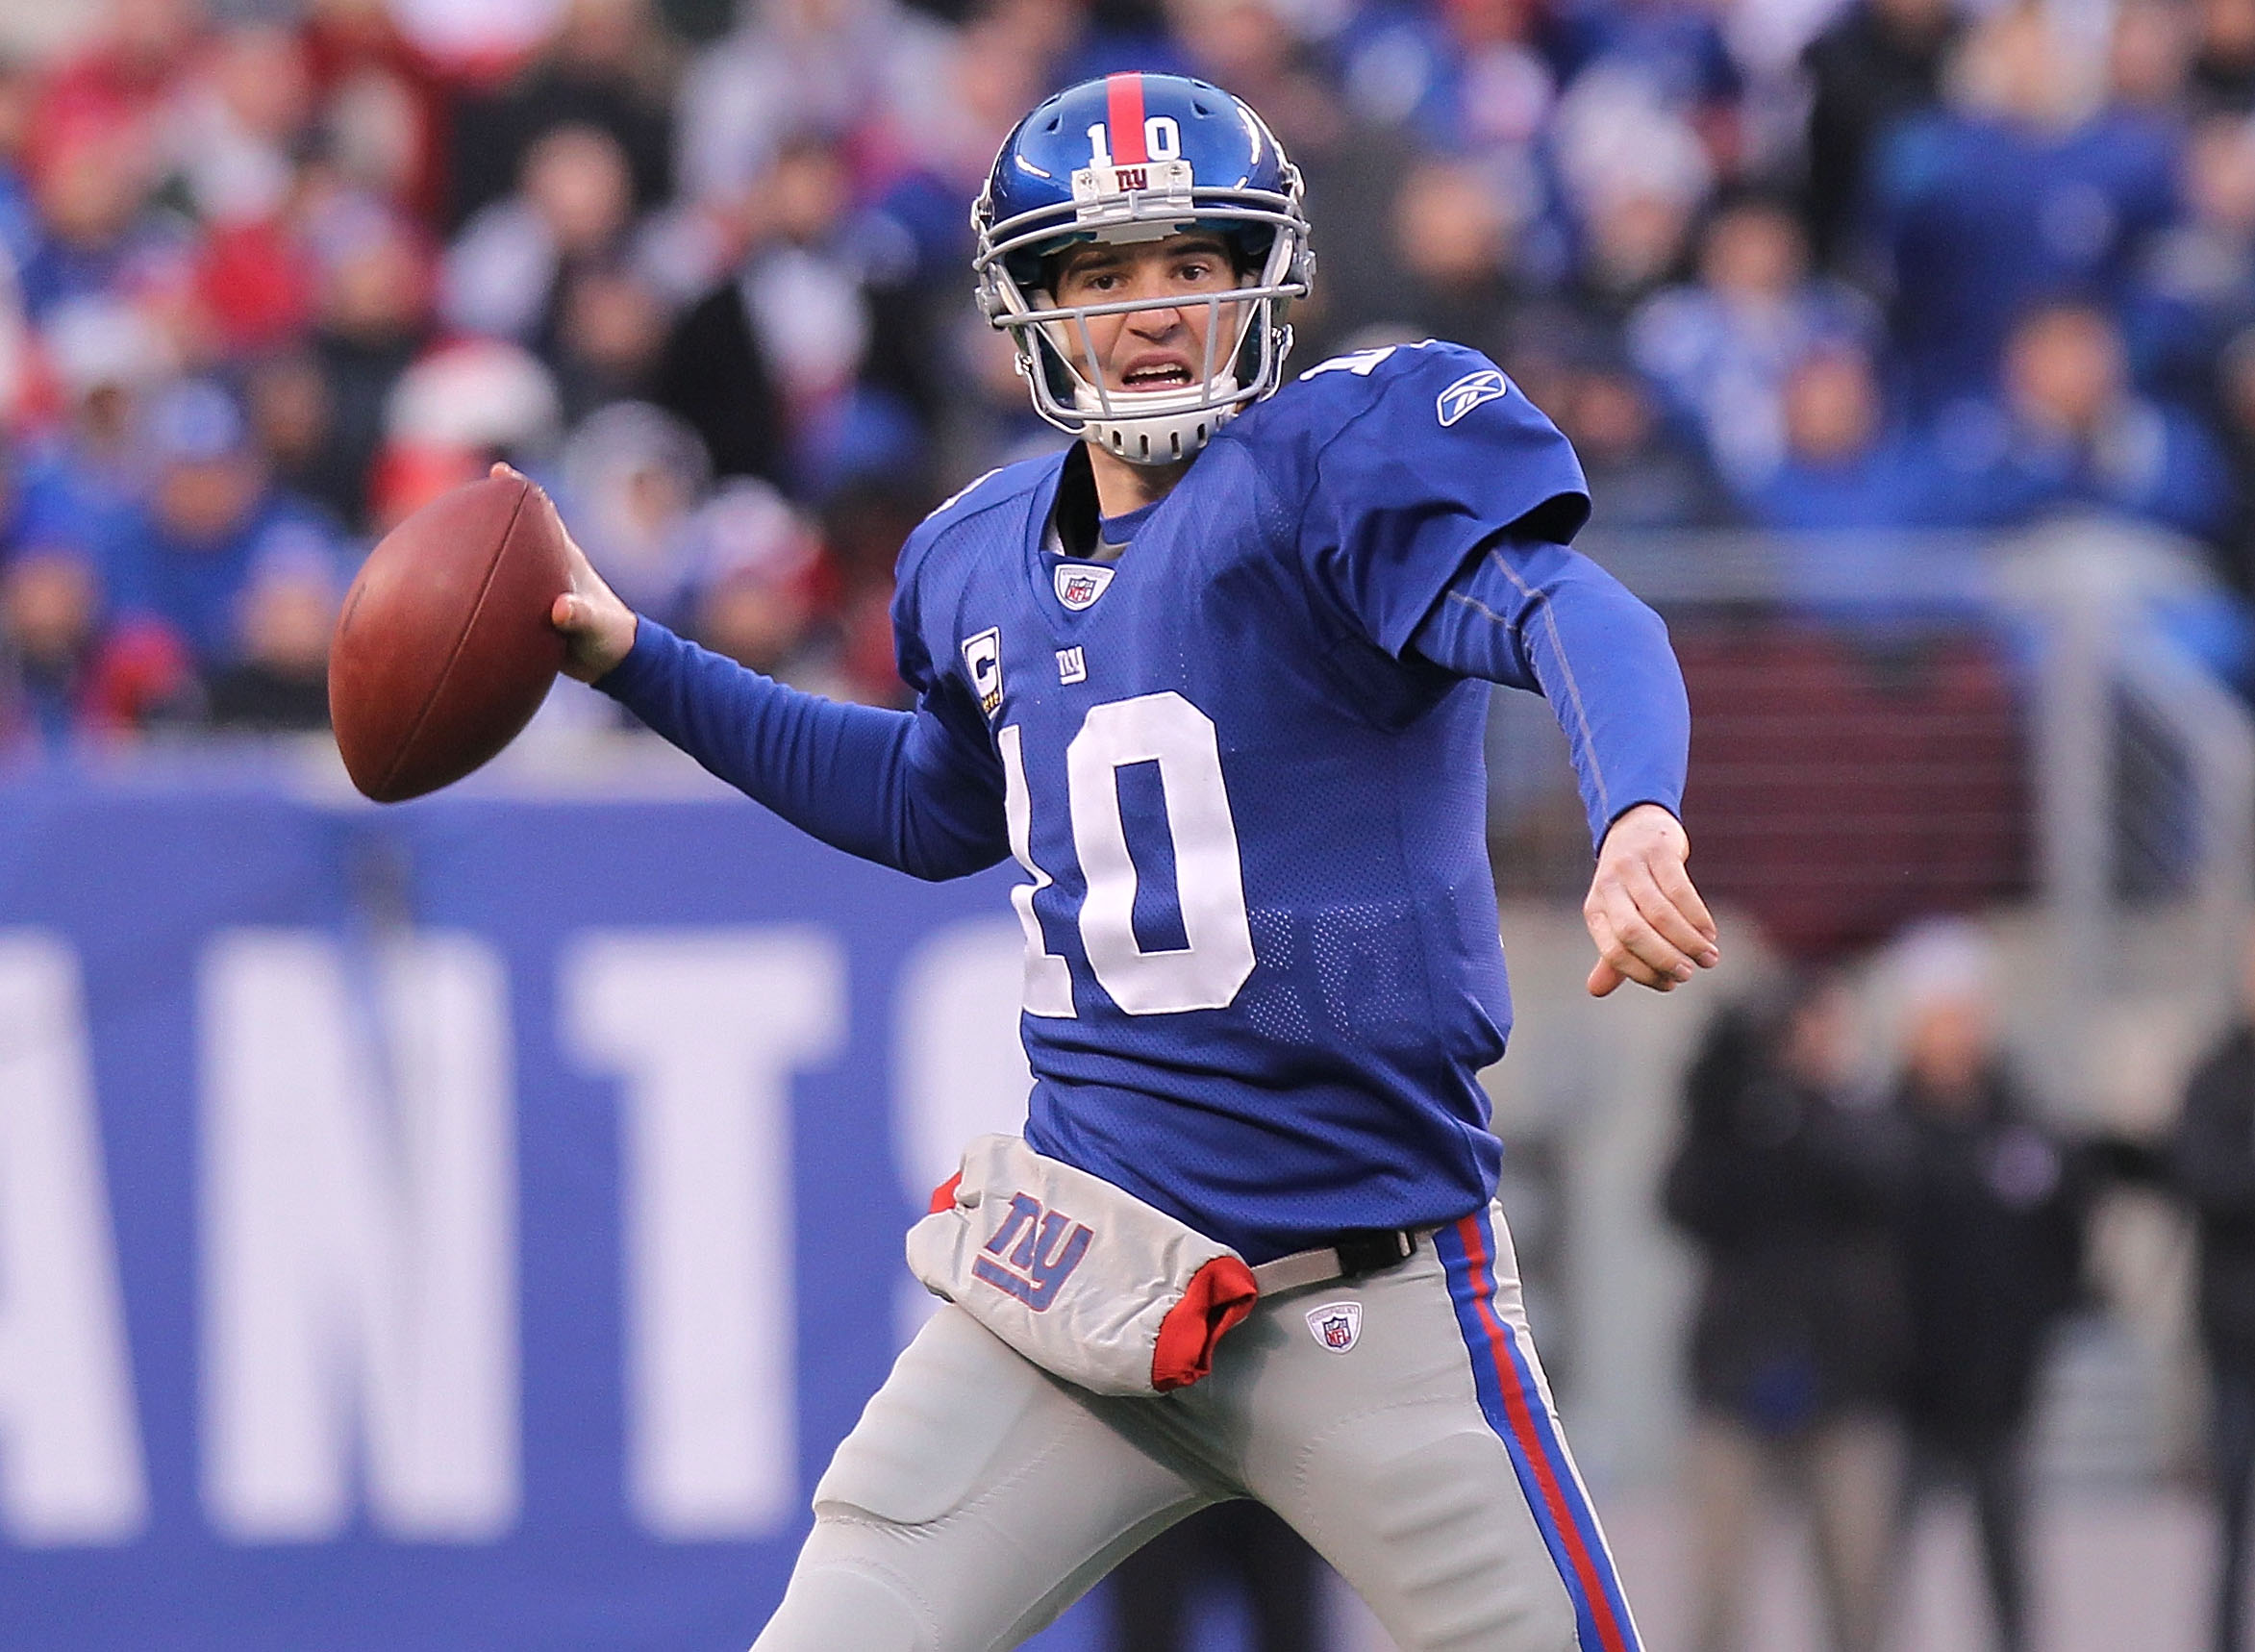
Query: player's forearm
1541, 616
850, 775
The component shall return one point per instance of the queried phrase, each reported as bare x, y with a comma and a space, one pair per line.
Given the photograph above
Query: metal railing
2142, 758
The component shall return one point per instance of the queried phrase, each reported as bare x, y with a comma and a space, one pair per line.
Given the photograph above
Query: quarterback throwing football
1216, 676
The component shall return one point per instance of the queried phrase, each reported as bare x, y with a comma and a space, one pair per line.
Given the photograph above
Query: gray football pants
979, 1496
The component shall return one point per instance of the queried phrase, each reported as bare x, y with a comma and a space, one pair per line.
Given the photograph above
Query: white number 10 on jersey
1209, 887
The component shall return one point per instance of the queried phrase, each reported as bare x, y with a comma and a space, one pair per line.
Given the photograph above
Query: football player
1216, 676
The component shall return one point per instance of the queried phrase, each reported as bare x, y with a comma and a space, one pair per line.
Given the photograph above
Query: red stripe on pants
1517, 1408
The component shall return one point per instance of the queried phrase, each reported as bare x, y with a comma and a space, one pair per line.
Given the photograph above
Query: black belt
1346, 1256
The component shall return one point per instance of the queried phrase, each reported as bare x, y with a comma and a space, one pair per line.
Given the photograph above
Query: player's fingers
1613, 921
1603, 978
1675, 882
565, 612
1674, 924
1636, 935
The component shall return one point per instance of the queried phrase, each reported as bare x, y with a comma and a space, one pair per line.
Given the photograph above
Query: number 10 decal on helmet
1139, 158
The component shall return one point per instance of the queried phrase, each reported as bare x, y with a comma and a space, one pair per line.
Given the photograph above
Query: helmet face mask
1125, 175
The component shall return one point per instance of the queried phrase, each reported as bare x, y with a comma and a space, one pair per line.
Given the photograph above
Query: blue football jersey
1261, 957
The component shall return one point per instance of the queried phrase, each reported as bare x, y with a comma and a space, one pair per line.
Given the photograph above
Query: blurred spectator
1470, 79
2234, 374
1877, 61
19, 225
1720, 348
185, 556
288, 404
574, 209
633, 476
1676, 51
277, 674
608, 66
1992, 1246
1642, 472
2149, 57
2224, 53
1451, 236
2214, 1166
451, 415
474, 42
240, 130
1635, 175
1151, 1595
993, 77
86, 474
2073, 434
50, 613
752, 575
1843, 469
371, 320
128, 73
804, 66
2030, 184
235, 148
66, 671
383, 110
764, 366
91, 177
864, 528
2196, 288
1790, 1181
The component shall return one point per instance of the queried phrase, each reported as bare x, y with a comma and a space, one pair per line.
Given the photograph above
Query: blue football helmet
1137, 157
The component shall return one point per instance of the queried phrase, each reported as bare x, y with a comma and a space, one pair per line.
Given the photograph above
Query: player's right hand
598, 628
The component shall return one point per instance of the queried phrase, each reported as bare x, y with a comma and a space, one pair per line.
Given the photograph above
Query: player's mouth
1157, 376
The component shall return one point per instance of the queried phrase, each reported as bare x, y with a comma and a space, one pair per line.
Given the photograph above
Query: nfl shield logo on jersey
1337, 1325
1468, 392
1079, 588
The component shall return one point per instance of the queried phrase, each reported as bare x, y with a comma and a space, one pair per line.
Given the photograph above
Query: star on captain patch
1337, 1325
1072, 665
1080, 584
983, 660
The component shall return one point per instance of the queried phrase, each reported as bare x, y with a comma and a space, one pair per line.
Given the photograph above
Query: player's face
1161, 347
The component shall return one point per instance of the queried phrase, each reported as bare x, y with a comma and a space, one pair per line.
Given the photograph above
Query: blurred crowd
1886, 1260
274, 272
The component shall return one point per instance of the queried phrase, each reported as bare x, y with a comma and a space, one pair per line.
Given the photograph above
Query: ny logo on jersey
1079, 588
1468, 392
983, 660
1044, 1247
1337, 1325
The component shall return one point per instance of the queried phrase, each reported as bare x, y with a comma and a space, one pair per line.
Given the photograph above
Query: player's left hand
1650, 923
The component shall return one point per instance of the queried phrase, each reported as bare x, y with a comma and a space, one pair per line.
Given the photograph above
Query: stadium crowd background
273, 272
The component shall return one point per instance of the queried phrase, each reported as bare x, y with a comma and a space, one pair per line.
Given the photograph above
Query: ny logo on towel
1048, 1245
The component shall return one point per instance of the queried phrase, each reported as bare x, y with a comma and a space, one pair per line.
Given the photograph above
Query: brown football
443, 650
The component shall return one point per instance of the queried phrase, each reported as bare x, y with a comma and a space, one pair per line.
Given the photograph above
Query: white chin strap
1164, 426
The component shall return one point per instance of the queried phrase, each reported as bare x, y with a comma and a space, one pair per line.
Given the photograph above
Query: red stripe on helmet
1125, 95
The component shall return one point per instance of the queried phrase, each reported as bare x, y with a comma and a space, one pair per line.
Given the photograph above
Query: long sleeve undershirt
890, 787
900, 788
1540, 616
